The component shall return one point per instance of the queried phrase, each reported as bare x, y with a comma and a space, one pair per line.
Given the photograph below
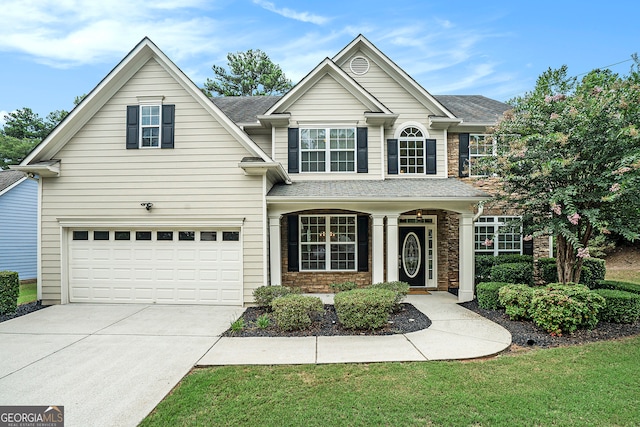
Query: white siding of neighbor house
396, 98
328, 104
198, 179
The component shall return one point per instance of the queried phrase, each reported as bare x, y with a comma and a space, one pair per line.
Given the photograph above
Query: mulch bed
22, 310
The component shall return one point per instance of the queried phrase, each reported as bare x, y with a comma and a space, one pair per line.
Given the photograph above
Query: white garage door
155, 266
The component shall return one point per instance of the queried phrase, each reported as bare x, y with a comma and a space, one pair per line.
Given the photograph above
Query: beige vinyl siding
328, 104
199, 179
263, 140
377, 82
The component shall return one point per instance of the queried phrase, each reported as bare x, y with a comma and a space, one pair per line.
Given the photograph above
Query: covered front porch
416, 230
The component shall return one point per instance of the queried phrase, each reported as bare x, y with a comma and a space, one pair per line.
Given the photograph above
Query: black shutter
293, 150
363, 156
463, 156
133, 112
431, 156
292, 242
527, 245
392, 156
168, 118
363, 243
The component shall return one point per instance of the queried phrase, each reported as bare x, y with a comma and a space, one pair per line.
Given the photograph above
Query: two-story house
150, 192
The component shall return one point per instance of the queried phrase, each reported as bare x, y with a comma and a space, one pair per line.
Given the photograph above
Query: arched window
411, 156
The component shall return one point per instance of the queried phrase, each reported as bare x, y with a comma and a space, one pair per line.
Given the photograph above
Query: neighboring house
18, 224
152, 193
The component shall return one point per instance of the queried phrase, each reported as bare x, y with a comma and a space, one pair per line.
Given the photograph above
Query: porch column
275, 251
392, 248
466, 263
377, 242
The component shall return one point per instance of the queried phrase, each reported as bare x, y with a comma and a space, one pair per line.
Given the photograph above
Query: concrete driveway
108, 365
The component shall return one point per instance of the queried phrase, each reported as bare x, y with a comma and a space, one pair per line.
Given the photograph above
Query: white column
466, 262
392, 248
377, 242
275, 251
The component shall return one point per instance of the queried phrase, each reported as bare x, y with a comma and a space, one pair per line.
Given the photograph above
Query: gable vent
359, 65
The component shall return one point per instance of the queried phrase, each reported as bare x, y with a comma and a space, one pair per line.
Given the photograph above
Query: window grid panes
333, 235
338, 151
480, 145
411, 155
150, 125
492, 237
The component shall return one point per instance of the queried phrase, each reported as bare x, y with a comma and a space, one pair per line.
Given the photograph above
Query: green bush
516, 300
547, 270
516, 272
484, 263
367, 308
620, 306
264, 295
345, 286
561, 308
401, 289
487, 294
295, 312
9, 291
619, 286
593, 270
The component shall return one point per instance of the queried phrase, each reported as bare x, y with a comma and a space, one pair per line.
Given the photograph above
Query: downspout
480, 211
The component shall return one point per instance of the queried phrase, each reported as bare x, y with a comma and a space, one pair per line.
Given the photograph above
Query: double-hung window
480, 146
328, 149
493, 236
328, 243
412, 155
150, 126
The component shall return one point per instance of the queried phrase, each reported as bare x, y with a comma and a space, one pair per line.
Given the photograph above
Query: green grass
28, 293
624, 275
594, 384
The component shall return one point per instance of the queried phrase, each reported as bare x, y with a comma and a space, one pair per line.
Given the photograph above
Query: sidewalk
455, 333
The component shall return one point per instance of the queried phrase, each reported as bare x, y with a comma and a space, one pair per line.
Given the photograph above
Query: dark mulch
407, 319
527, 334
22, 310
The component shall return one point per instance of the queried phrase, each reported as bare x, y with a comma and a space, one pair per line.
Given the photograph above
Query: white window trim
496, 224
327, 243
494, 152
327, 150
150, 101
425, 136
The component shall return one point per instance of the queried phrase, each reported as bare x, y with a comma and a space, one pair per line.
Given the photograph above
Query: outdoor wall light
419, 214
147, 205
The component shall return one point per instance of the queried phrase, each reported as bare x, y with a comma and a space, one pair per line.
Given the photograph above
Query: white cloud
292, 14
2, 119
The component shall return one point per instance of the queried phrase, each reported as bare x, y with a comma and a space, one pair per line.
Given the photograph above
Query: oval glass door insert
411, 255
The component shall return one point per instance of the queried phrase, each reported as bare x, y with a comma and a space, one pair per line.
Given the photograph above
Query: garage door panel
167, 271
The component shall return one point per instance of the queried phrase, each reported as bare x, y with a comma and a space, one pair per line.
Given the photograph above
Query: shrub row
9, 291
593, 270
620, 306
264, 295
618, 286
484, 264
487, 294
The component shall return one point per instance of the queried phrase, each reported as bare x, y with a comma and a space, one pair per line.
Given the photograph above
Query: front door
412, 255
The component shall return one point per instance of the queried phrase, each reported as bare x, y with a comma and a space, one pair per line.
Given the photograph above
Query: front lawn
593, 384
28, 293
624, 275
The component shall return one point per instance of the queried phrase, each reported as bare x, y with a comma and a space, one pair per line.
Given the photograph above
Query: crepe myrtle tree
568, 157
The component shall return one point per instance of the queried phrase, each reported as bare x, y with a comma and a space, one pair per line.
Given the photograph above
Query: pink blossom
597, 89
583, 253
488, 242
622, 170
573, 219
554, 116
527, 238
556, 209
559, 97
615, 187
604, 230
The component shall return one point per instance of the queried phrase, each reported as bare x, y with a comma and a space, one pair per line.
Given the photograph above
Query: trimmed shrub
487, 294
516, 272
547, 270
484, 263
516, 300
9, 291
294, 312
367, 308
634, 288
401, 289
593, 270
619, 307
564, 308
345, 286
264, 295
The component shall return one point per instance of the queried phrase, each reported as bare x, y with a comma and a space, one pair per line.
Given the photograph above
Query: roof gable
9, 179
361, 44
112, 83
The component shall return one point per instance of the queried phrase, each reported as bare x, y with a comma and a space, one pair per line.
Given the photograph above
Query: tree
251, 74
24, 124
569, 159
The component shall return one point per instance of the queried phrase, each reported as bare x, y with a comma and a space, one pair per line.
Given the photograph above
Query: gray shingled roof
470, 108
8, 178
474, 108
245, 109
427, 188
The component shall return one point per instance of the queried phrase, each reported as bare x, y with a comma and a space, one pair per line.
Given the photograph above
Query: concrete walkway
455, 333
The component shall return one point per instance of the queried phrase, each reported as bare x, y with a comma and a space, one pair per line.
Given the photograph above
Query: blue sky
53, 50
